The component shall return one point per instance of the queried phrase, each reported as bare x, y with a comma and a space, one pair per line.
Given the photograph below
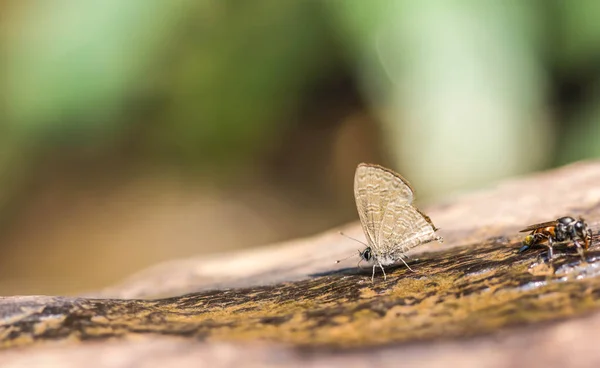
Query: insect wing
374, 188
539, 226
403, 228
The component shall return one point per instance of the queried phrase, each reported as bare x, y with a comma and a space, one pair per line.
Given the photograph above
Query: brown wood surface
472, 301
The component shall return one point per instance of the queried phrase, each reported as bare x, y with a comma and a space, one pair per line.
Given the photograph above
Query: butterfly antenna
343, 259
356, 240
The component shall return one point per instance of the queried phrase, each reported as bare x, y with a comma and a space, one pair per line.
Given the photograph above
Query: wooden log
472, 301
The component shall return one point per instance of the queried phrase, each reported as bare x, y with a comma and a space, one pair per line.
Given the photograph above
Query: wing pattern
390, 222
402, 229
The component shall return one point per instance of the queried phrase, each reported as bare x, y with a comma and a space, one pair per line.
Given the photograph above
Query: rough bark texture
472, 301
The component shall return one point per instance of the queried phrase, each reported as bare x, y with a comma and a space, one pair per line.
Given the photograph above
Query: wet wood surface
472, 299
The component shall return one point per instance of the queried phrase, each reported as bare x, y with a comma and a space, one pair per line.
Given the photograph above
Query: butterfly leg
406, 264
382, 270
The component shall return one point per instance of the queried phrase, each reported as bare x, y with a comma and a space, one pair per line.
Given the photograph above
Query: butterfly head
366, 254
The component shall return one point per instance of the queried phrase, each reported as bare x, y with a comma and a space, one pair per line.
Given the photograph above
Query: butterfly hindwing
403, 228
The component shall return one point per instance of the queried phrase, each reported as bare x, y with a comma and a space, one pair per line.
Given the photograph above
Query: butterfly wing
374, 188
403, 228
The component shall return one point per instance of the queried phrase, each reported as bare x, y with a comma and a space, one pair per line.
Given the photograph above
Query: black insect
564, 229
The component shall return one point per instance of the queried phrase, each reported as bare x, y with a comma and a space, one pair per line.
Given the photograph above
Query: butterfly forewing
374, 188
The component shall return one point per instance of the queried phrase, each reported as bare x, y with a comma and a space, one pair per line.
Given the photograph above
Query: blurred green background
139, 131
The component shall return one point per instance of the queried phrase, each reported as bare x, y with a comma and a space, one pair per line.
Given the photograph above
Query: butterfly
392, 225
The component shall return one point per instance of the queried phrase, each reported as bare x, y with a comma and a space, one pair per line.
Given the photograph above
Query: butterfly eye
366, 254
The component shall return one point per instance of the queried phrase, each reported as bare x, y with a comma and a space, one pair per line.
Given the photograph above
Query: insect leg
550, 250
382, 270
373, 275
580, 250
402, 259
587, 240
